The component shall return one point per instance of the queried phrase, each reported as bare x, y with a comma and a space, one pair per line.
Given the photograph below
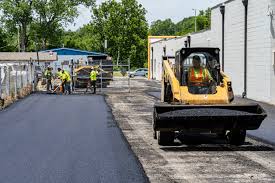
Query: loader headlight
183, 51
217, 51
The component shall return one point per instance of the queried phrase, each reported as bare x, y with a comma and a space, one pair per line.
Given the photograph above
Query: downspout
222, 9
152, 63
245, 3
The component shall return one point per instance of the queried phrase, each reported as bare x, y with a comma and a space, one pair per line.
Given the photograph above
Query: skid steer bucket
169, 117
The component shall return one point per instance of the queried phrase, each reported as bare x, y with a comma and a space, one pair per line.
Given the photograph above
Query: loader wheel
236, 137
155, 134
165, 138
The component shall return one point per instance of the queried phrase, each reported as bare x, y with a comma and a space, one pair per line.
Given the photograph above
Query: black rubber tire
155, 134
165, 138
222, 135
236, 137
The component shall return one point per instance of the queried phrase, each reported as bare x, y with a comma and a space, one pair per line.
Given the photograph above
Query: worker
59, 73
48, 75
199, 77
66, 81
92, 81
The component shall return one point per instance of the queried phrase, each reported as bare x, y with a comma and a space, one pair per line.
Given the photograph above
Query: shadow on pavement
211, 142
217, 148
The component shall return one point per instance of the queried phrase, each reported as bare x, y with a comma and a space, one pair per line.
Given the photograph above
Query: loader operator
199, 78
48, 75
66, 80
92, 81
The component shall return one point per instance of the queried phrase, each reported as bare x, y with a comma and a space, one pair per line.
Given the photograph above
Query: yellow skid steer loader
203, 107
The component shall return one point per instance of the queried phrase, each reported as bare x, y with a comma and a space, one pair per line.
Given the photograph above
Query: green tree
163, 28
18, 13
183, 27
125, 27
51, 15
84, 39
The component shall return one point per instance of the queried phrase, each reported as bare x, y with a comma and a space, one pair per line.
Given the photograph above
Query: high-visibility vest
93, 75
59, 74
66, 76
48, 74
198, 76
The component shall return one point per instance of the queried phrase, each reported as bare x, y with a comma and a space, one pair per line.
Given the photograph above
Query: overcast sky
156, 9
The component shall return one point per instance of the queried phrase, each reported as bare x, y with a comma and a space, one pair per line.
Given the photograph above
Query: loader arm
170, 79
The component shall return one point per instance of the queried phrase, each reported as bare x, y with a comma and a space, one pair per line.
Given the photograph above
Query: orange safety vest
197, 78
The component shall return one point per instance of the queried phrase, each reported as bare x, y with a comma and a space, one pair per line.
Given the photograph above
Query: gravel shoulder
208, 159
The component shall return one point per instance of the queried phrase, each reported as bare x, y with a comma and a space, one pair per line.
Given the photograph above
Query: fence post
1, 83
8, 81
21, 76
27, 74
32, 75
15, 83
101, 76
129, 79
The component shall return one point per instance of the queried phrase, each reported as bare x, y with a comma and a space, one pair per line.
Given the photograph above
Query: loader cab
209, 61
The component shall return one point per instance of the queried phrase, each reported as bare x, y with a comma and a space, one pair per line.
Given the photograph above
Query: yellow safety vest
48, 74
59, 74
66, 76
93, 75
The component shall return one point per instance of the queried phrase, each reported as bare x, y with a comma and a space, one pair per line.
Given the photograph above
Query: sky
156, 9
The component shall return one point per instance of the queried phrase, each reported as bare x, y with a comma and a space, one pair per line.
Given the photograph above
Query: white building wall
261, 42
271, 27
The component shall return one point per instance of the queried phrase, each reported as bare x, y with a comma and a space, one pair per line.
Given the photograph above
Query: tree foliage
165, 27
185, 26
39, 20
124, 26
18, 13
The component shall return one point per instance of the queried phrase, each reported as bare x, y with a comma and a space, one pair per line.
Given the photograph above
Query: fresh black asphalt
64, 139
266, 132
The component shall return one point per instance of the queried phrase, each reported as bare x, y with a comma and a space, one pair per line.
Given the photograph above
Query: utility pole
36, 49
18, 36
195, 10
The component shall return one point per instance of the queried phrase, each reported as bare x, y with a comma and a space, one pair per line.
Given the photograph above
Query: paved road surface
70, 139
201, 158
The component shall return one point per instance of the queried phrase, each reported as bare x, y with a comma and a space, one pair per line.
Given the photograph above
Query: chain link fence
16, 81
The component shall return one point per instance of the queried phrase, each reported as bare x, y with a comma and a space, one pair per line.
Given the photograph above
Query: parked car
139, 72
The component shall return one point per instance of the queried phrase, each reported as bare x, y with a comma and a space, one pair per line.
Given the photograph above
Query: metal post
15, 85
18, 37
27, 73
32, 75
101, 76
21, 76
0, 83
152, 64
222, 9
195, 19
72, 73
8, 81
245, 3
129, 80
